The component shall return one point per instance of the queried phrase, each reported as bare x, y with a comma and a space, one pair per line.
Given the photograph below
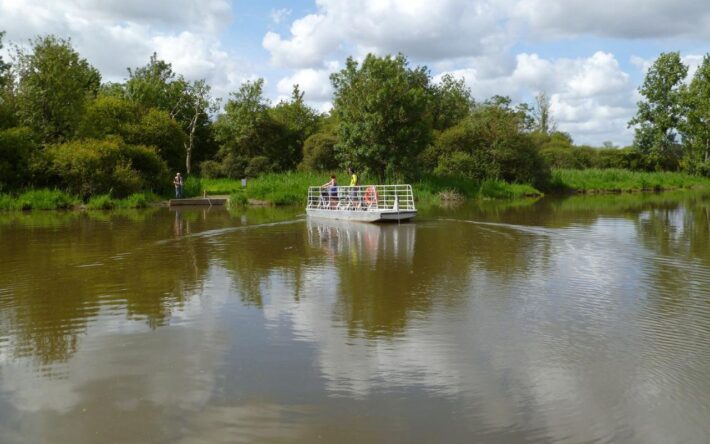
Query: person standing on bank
177, 181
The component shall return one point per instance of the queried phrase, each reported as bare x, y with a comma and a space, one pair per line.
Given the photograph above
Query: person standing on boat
332, 189
354, 183
177, 181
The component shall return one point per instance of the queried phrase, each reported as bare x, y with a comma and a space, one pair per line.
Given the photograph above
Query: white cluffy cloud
278, 15
418, 28
614, 18
315, 84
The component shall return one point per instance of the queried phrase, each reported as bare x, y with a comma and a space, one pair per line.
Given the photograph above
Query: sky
589, 57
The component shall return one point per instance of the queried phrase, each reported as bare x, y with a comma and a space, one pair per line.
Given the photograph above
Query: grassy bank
617, 180
137, 200
291, 188
45, 199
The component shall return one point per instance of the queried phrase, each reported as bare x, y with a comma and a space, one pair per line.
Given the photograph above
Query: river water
584, 319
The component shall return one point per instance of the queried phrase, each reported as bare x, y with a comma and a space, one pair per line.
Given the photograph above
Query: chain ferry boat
368, 203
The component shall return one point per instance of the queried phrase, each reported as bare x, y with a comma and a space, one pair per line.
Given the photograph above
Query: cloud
614, 18
420, 29
278, 15
315, 84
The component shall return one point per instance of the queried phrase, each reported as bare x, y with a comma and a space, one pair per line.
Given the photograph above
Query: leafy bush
16, 148
258, 165
210, 169
559, 157
699, 168
461, 164
319, 153
490, 144
157, 128
234, 166
108, 116
90, 167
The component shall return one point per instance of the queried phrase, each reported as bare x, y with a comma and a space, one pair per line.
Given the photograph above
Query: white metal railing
362, 198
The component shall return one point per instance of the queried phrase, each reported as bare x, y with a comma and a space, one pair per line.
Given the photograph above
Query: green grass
193, 187
618, 180
431, 189
291, 188
43, 199
136, 200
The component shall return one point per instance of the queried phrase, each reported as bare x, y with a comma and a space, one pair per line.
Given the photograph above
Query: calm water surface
576, 320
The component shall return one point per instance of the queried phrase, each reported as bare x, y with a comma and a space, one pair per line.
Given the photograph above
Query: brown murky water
577, 320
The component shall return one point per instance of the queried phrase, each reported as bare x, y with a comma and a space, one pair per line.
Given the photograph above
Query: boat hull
362, 216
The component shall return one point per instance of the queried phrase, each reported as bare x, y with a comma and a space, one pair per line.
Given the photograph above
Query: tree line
62, 127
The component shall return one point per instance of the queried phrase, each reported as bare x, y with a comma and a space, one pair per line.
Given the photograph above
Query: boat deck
369, 203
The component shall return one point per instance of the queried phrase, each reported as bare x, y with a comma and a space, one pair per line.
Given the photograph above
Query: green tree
299, 121
383, 108
319, 152
108, 115
451, 102
247, 130
492, 143
542, 114
194, 112
156, 85
157, 129
696, 128
54, 86
4, 66
8, 114
17, 146
116, 116
89, 167
660, 114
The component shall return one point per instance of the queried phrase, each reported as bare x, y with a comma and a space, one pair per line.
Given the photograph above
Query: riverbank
291, 188
599, 181
46, 199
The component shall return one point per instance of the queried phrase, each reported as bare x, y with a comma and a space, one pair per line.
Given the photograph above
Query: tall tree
250, 139
659, 115
383, 107
189, 103
696, 128
54, 86
4, 66
194, 112
8, 117
155, 85
542, 115
299, 122
451, 102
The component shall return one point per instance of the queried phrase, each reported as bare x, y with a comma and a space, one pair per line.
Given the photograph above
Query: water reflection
558, 320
